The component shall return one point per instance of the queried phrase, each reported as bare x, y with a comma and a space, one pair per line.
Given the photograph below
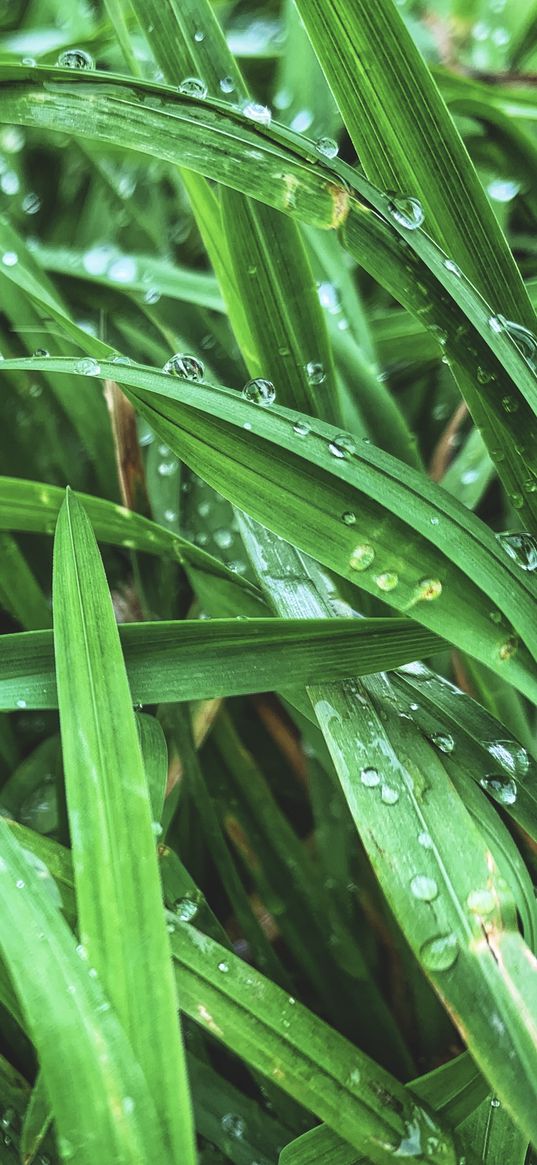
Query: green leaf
116, 875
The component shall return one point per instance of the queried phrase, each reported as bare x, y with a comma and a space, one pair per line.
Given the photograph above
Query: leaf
116, 875
75, 1031
195, 659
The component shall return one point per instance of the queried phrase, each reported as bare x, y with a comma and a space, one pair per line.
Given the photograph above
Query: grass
268, 521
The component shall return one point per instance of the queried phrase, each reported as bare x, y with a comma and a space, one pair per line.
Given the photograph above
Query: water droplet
451, 266
440, 953
481, 901
156, 829
223, 538
361, 557
503, 788
199, 36
31, 203
483, 375
503, 189
443, 741
21, 704
521, 547
7, 1118
123, 270
349, 518
327, 147
152, 295
75, 59
429, 589
522, 337
223, 967
509, 404
425, 840
193, 87
233, 1125
508, 649
495, 1103
256, 112
424, 888
184, 365
407, 211
20, 884
127, 1105
259, 392
301, 428
87, 367
315, 372
387, 581
227, 85
167, 468
370, 778
342, 446
389, 795
10, 258
186, 908
510, 755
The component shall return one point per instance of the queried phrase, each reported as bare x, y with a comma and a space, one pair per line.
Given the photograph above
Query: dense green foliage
268, 670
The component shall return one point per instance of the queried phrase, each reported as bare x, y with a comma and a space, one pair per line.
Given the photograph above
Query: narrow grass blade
117, 883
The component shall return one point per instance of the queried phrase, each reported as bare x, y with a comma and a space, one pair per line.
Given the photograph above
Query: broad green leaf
116, 874
198, 659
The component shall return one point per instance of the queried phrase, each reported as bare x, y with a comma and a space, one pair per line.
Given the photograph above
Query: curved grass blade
414, 545
198, 659
116, 874
305, 1057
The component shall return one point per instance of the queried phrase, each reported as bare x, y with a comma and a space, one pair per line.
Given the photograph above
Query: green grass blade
116, 874
75, 1031
196, 660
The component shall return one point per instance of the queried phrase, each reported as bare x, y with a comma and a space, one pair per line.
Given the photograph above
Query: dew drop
87, 367
443, 741
342, 446
256, 112
387, 581
233, 1125
223, 967
156, 829
349, 518
503, 788
75, 59
407, 211
495, 1103
521, 547
483, 375
186, 908
440, 953
481, 901
223, 538
361, 557
424, 888
327, 147
259, 392
127, 1105
193, 87
503, 189
227, 85
429, 589
315, 372
451, 266
199, 36
184, 365
389, 795
521, 336
10, 258
511, 755
21, 704
370, 778
425, 840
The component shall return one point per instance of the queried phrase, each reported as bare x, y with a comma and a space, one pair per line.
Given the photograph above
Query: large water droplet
407, 211
481, 901
75, 59
301, 428
186, 908
87, 366
227, 85
511, 755
424, 888
257, 112
315, 372
361, 557
184, 365
504, 789
193, 87
443, 741
327, 147
387, 581
233, 1125
522, 337
451, 266
429, 589
370, 778
342, 446
521, 547
259, 392
10, 258
389, 795
503, 189
440, 953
